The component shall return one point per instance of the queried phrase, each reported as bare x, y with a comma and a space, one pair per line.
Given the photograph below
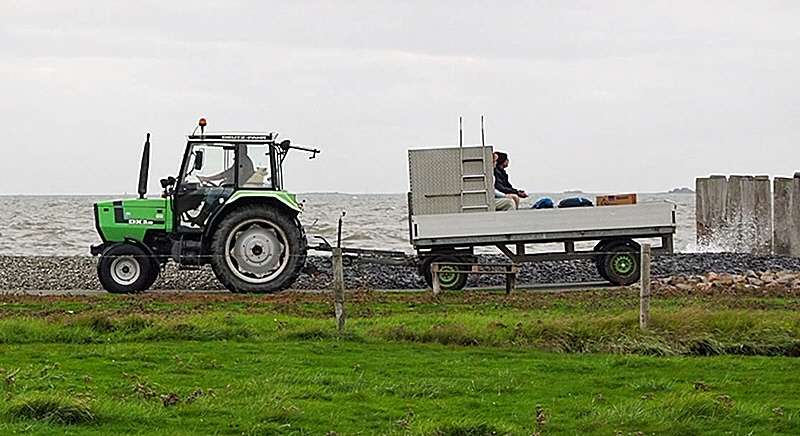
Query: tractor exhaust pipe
143, 171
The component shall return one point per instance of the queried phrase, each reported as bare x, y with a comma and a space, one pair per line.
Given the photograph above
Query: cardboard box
613, 200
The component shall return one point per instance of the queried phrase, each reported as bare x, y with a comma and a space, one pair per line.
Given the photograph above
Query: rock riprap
699, 271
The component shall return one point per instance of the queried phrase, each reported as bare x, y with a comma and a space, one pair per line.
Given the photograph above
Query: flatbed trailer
451, 212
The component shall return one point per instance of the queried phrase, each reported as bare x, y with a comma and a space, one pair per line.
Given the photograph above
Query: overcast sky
606, 96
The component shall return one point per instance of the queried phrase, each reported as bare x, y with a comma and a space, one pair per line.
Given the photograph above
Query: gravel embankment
79, 273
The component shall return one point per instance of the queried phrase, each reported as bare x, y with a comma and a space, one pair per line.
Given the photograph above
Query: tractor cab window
213, 172
261, 177
210, 162
208, 179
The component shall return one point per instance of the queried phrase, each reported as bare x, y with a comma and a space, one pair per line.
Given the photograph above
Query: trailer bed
644, 220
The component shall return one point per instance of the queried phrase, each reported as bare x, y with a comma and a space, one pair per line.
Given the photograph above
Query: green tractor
227, 207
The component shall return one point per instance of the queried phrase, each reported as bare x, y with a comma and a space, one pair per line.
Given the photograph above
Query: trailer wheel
449, 277
258, 249
599, 259
126, 269
622, 263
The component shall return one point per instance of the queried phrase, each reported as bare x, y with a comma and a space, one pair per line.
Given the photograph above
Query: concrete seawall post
736, 214
782, 215
794, 210
710, 206
749, 218
763, 215
701, 189
734, 198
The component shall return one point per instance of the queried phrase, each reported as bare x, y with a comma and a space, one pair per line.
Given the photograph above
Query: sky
599, 96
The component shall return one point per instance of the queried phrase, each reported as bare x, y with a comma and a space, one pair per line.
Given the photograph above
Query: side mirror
169, 181
285, 144
198, 160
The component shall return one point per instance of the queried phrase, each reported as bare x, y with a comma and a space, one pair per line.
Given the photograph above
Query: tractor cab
214, 167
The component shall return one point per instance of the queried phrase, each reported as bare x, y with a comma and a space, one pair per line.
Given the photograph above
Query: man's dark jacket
501, 182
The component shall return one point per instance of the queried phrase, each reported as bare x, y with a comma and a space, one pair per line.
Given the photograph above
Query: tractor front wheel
258, 249
126, 269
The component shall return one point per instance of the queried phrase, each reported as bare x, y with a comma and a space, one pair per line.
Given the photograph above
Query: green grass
51, 409
322, 386
464, 364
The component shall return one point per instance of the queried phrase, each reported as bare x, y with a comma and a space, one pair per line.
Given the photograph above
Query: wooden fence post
338, 288
511, 278
644, 292
437, 287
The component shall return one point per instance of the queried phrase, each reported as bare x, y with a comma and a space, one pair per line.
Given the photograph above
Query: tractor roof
236, 138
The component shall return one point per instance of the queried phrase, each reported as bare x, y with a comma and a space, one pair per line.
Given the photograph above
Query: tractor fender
101, 249
144, 247
287, 199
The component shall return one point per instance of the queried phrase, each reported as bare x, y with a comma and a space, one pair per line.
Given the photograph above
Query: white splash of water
739, 234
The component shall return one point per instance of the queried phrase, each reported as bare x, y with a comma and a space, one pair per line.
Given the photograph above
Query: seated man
226, 180
501, 182
246, 170
503, 203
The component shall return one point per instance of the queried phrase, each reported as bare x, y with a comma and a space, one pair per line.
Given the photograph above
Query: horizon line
158, 195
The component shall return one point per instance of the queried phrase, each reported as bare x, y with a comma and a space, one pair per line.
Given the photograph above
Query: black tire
126, 269
622, 263
599, 259
258, 249
424, 268
449, 281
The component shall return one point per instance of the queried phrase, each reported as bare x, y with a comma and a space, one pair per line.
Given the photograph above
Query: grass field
463, 364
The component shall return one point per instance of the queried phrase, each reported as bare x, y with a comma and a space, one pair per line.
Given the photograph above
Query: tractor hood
118, 220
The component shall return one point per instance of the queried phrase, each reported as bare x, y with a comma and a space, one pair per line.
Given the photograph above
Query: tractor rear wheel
126, 269
258, 249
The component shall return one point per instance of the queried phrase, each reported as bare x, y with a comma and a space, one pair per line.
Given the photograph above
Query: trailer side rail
537, 238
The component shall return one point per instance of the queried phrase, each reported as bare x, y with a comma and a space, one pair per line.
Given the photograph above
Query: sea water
63, 225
